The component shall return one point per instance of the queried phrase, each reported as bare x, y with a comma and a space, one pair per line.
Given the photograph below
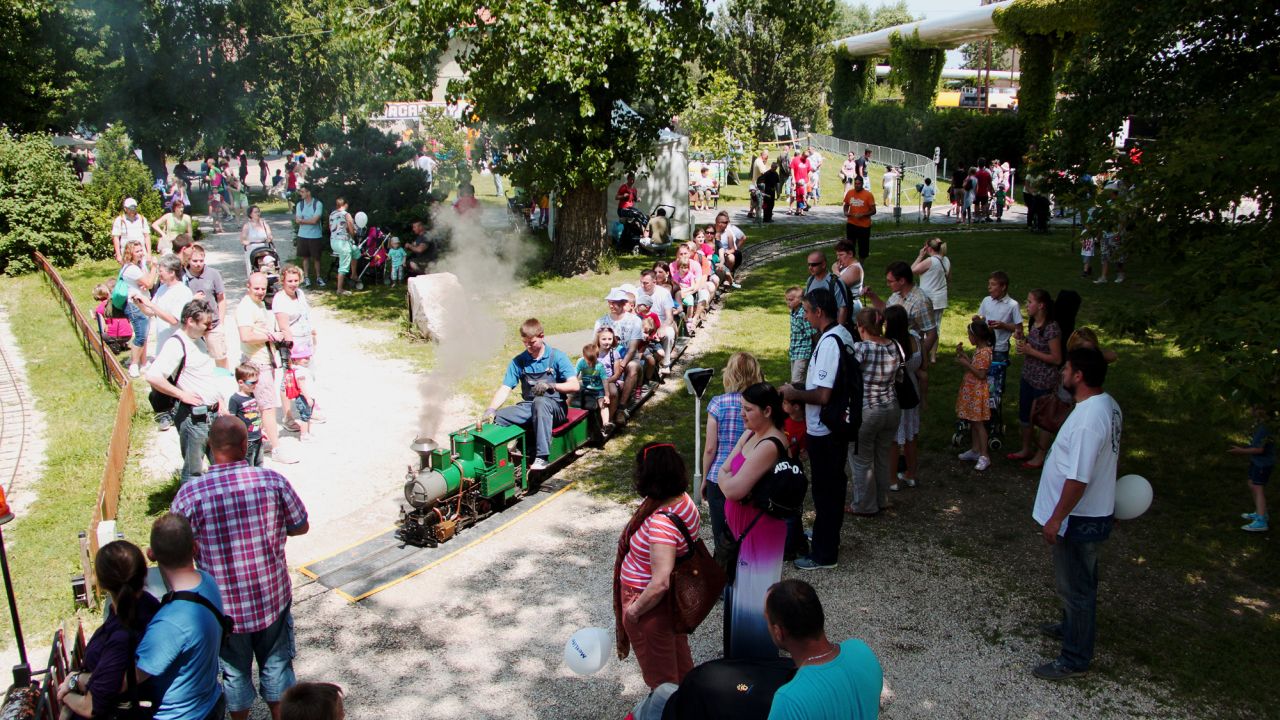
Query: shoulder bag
1048, 412
908, 398
696, 582
727, 549
780, 492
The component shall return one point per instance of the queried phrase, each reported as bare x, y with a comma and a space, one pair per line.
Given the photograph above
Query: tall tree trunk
580, 232
154, 159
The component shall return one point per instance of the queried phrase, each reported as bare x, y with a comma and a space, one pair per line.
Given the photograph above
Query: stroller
266, 260
373, 256
629, 232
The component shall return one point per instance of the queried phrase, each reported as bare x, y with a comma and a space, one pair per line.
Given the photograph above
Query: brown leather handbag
1048, 412
697, 582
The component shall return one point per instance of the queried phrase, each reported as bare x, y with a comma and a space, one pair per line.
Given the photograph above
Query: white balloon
1133, 496
587, 651
361, 220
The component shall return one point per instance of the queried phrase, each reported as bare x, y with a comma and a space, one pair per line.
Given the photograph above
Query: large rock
438, 304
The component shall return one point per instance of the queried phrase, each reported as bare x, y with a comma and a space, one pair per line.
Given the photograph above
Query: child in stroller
266, 260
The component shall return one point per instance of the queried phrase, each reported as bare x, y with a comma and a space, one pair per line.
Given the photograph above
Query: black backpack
160, 402
843, 412
781, 491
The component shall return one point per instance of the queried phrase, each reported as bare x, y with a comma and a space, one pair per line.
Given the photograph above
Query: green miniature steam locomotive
482, 472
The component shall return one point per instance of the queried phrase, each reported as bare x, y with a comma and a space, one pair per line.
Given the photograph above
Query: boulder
438, 305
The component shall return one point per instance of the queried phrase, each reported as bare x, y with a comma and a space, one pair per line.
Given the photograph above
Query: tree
117, 175
45, 78
374, 175
722, 119
975, 55
858, 18
581, 89
777, 50
1201, 191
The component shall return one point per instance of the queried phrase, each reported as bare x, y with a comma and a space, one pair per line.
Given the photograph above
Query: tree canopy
722, 118
857, 18
1203, 83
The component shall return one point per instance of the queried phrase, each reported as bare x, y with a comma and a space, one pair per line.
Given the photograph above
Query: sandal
1030, 466
1017, 455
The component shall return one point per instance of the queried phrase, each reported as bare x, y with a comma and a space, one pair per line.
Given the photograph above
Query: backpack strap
227, 624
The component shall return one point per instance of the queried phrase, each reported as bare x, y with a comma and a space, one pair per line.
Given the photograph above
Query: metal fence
915, 167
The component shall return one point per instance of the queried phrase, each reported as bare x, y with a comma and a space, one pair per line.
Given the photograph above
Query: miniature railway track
762, 253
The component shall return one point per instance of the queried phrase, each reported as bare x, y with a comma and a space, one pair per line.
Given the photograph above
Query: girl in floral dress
972, 402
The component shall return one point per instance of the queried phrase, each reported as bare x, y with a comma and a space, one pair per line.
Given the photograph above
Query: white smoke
487, 263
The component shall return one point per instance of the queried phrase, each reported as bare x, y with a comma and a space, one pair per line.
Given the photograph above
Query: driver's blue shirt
552, 360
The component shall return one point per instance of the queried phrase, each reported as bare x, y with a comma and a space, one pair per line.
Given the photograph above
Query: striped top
658, 529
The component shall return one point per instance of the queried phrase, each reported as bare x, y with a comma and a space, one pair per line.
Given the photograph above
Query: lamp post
21, 671
696, 381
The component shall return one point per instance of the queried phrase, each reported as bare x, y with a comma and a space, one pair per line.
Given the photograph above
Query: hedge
963, 135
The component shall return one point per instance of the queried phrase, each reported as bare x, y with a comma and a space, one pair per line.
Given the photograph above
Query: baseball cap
130, 203
617, 295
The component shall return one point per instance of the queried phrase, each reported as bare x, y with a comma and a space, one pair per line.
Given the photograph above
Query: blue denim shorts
273, 648
139, 321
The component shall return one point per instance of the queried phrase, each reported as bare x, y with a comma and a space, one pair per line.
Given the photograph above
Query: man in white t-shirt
1075, 504
130, 225
196, 389
827, 450
258, 332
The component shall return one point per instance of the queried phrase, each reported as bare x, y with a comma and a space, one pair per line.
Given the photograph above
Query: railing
108, 498
912, 164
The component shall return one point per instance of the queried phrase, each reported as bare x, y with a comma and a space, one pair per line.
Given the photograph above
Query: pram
373, 256
266, 260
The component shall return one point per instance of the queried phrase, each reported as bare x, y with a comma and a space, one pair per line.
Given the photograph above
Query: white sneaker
911, 482
1100, 281
984, 462
538, 465
893, 487
320, 282
306, 282
281, 457
1120, 278
969, 456
133, 370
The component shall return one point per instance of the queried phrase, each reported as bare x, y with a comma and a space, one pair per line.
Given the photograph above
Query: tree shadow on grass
161, 498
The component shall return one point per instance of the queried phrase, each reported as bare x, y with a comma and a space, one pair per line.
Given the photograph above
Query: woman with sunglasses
647, 553
762, 537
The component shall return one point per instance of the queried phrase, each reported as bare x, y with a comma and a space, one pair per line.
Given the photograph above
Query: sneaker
911, 482
1100, 281
1249, 516
1259, 524
290, 426
538, 465
165, 422
607, 428
306, 282
1057, 671
969, 456
345, 293
894, 487
283, 458
808, 563
736, 286
1052, 630
1120, 278
984, 462
133, 370
320, 282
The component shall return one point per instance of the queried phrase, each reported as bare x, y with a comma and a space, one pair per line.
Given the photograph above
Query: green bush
117, 175
963, 135
42, 205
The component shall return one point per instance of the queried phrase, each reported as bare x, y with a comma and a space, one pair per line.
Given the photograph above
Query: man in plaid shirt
242, 516
918, 306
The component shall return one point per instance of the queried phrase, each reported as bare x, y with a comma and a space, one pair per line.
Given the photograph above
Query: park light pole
696, 380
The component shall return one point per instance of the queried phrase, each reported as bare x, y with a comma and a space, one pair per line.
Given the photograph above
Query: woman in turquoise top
760, 555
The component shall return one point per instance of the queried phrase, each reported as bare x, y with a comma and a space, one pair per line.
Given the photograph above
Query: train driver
545, 375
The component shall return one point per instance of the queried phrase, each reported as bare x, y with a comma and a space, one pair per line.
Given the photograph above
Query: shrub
42, 205
117, 175
366, 167
963, 135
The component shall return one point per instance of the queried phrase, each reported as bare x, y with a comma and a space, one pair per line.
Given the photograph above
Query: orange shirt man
859, 206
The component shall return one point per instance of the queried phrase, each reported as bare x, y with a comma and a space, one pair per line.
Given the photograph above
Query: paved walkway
21, 446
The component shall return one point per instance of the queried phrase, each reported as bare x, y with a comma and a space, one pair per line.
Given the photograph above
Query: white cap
617, 295
130, 203
629, 288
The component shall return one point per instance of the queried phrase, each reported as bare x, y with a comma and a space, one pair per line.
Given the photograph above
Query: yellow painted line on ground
303, 569
460, 550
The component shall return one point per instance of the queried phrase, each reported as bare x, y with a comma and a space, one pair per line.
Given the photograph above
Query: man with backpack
242, 517
821, 277
183, 371
832, 398
180, 647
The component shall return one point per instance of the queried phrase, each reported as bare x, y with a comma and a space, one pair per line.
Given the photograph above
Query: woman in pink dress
762, 536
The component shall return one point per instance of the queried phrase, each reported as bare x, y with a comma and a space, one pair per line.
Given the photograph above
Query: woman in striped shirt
647, 552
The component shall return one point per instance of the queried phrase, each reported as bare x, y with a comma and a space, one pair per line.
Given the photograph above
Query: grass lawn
79, 410
1186, 597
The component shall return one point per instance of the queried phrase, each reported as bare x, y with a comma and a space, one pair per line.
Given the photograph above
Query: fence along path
108, 498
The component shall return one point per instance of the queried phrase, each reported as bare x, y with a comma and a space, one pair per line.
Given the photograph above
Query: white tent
662, 180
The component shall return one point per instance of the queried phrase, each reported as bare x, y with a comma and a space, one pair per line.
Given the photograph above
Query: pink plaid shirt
241, 516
